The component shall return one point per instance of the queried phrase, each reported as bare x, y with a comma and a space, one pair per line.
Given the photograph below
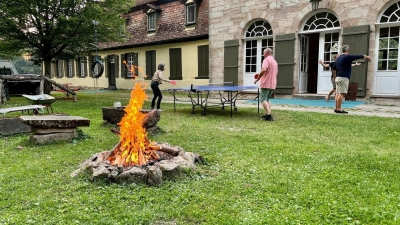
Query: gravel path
374, 107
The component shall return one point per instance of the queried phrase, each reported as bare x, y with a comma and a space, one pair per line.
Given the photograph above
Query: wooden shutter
150, 64
358, 38
105, 63
123, 66
231, 61
73, 67
175, 59
116, 66
86, 67
91, 60
203, 61
284, 56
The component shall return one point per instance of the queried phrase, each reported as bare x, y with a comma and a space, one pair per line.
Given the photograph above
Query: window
70, 68
131, 65
82, 67
388, 48
151, 21
331, 48
260, 35
59, 68
190, 14
323, 20
150, 64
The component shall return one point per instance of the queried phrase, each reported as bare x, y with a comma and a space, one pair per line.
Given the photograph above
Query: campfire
135, 158
134, 148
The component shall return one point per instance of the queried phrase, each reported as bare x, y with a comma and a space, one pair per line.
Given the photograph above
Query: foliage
51, 29
26, 67
303, 168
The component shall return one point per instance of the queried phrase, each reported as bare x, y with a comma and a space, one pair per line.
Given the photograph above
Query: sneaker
159, 110
269, 118
264, 116
341, 111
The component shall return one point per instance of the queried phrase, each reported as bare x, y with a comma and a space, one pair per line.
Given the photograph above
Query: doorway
309, 53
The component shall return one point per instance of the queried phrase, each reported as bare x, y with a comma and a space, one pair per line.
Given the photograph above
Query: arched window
259, 35
392, 14
322, 20
388, 47
258, 29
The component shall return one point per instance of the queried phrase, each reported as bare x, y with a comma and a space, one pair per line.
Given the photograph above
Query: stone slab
55, 121
13, 126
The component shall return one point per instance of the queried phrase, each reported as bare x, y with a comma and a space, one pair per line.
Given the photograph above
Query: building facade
173, 32
239, 31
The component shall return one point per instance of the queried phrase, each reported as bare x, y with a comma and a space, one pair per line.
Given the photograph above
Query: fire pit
135, 159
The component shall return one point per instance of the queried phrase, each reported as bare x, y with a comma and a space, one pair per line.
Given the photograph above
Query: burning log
154, 146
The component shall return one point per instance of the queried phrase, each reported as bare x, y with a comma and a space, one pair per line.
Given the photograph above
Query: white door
253, 57
303, 63
329, 46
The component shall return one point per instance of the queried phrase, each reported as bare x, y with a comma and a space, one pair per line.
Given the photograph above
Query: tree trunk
47, 73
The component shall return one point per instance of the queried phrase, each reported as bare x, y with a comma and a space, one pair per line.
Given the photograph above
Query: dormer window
152, 16
191, 14
151, 22
191, 11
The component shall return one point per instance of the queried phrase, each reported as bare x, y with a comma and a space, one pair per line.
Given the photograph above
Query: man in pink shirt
267, 79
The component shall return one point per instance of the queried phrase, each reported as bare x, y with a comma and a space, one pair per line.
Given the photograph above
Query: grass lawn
303, 168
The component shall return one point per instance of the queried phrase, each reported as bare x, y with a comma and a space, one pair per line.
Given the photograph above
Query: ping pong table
199, 95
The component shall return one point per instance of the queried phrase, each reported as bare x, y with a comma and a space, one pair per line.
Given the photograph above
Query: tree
51, 29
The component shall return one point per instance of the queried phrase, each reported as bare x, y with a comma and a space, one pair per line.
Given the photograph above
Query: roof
171, 25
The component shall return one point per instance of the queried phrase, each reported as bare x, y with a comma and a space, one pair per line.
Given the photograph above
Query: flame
134, 147
131, 69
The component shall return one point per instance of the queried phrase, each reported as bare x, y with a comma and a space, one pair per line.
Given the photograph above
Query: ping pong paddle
173, 82
256, 76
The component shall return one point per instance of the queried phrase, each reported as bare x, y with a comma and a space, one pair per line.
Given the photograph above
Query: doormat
310, 102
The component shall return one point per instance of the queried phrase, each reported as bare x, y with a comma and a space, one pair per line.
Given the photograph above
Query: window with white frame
191, 13
59, 68
259, 35
388, 52
151, 22
70, 67
132, 65
82, 66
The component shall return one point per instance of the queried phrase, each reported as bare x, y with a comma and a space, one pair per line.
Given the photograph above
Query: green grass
303, 168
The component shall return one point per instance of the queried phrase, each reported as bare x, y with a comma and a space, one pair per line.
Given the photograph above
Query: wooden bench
34, 108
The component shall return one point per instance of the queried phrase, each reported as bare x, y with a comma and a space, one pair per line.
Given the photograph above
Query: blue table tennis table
199, 95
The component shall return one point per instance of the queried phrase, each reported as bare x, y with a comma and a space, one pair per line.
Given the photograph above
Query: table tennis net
195, 87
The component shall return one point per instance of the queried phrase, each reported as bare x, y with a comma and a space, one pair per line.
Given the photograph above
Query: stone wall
230, 18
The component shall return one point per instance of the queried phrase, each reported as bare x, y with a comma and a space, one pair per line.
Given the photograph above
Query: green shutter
284, 55
73, 67
105, 61
86, 67
123, 66
150, 64
231, 61
203, 61
91, 60
116, 66
175, 56
358, 39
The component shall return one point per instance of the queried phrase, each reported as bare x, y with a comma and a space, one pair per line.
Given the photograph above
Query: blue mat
310, 102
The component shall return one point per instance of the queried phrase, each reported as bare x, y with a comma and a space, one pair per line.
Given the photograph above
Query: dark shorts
266, 94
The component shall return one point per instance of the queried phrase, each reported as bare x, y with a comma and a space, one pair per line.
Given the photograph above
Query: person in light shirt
155, 82
267, 78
